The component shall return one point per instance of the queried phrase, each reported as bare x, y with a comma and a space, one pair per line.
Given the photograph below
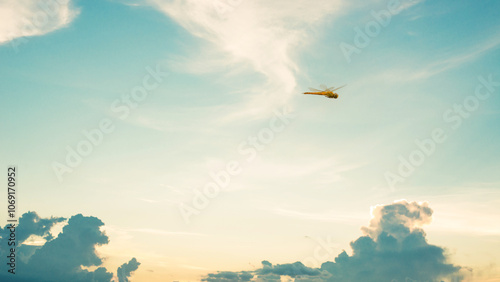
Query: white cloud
24, 18
430, 69
258, 33
411, 215
456, 61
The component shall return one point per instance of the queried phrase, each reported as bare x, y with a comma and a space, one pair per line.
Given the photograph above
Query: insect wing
314, 90
338, 88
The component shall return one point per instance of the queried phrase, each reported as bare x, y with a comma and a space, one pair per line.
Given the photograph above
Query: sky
175, 135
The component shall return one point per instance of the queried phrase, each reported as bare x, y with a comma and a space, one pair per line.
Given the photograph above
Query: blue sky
223, 76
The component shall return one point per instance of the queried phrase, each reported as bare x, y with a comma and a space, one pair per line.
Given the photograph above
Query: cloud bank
393, 248
24, 18
61, 258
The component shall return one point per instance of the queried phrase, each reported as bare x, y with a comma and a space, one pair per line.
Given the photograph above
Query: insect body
327, 92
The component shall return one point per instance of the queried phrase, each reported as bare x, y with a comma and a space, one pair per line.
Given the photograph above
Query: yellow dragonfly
327, 92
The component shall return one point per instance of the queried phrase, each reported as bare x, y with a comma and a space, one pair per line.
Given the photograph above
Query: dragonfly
327, 91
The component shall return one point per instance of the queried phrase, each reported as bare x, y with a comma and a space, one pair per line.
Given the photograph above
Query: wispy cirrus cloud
447, 63
259, 34
456, 61
24, 18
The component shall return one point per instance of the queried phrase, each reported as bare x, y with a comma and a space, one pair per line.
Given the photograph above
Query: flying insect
327, 92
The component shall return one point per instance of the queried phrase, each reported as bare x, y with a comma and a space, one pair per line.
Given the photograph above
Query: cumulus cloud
398, 219
259, 33
24, 18
394, 248
126, 269
292, 269
268, 272
61, 258
228, 276
33, 225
